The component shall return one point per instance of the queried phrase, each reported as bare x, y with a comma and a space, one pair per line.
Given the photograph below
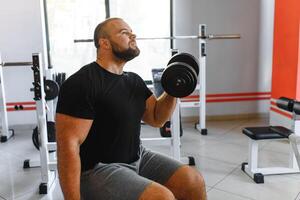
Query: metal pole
175, 130
184, 37
10, 64
4, 131
204, 37
202, 91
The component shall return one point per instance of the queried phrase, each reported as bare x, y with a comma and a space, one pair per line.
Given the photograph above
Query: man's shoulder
82, 76
86, 70
133, 75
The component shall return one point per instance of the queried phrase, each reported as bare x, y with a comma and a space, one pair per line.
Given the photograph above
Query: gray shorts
120, 181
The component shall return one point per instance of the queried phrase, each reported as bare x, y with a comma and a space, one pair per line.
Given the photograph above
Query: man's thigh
112, 182
157, 167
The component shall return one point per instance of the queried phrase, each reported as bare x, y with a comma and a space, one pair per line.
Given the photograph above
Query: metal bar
207, 37
223, 36
170, 38
172, 23
107, 9
47, 37
9, 64
83, 40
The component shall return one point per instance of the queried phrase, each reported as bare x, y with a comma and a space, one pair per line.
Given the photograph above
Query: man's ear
104, 43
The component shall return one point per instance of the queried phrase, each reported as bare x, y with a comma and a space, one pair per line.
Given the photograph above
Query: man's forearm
69, 172
164, 107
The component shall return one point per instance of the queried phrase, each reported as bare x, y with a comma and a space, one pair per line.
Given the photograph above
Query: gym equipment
60, 78
50, 134
51, 89
205, 37
165, 131
202, 37
256, 134
46, 146
173, 141
5, 132
179, 79
285, 104
11, 64
171, 131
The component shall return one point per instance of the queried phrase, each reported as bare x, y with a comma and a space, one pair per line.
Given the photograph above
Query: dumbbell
179, 79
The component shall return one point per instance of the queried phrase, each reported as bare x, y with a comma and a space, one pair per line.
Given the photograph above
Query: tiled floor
218, 157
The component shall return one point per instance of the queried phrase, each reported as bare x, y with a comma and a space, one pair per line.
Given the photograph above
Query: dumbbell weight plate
186, 58
179, 79
50, 135
51, 89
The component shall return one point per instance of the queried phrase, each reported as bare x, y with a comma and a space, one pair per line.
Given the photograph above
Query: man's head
116, 36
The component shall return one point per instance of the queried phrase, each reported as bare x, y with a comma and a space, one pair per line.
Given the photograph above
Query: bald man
99, 111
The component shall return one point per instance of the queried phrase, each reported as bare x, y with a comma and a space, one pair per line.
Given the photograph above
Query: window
147, 19
76, 19
69, 20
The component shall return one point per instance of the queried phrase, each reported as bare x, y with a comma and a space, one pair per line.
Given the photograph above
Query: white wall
233, 66
20, 36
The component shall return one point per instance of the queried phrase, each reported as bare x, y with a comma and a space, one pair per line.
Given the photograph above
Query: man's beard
127, 54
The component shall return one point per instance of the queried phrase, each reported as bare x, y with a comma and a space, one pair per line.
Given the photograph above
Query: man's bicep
149, 114
71, 129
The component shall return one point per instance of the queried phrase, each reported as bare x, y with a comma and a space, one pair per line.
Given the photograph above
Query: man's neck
111, 65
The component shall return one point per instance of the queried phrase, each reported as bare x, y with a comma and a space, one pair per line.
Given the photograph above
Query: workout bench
257, 134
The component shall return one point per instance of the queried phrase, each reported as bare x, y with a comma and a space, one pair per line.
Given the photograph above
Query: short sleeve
143, 87
76, 99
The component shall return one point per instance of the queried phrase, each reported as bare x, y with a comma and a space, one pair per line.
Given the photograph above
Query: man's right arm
70, 134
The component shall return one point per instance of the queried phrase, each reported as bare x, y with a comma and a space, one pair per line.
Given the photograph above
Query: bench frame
256, 173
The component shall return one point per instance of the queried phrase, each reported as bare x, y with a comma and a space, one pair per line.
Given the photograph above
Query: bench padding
267, 132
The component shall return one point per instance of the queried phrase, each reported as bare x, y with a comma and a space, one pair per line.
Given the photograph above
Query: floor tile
276, 187
215, 194
54, 194
212, 170
14, 180
218, 157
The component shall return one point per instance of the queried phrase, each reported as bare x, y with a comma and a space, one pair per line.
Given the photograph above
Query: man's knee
187, 183
156, 191
193, 180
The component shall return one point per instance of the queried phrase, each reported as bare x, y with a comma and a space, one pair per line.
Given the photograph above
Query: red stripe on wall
20, 103
24, 109
230, 95
237, 99
282, 113
229, 100
239, 94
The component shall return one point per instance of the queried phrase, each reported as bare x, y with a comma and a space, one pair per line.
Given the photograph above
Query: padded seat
266, 132
282, 130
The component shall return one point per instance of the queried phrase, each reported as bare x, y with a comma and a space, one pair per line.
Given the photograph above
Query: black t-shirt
115, 103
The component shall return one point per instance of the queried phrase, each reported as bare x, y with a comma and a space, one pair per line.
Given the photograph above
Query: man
98, 128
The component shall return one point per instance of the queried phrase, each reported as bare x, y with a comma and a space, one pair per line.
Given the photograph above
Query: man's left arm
158, 111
